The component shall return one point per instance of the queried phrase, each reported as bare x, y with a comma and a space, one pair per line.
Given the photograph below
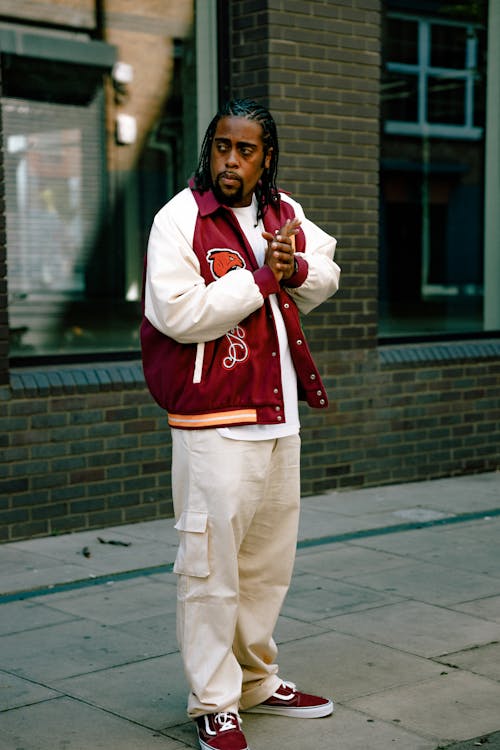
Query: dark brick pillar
4, 323
316, 65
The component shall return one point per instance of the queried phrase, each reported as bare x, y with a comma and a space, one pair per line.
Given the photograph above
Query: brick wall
406, 413
85, 447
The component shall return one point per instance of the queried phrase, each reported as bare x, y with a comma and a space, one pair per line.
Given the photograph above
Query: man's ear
268, 157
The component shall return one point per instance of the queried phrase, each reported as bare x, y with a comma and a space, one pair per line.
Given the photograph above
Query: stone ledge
439, 352
63, 379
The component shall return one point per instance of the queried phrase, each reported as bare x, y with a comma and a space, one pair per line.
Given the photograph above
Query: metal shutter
53, 191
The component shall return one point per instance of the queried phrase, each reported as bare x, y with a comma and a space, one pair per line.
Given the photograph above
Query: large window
54, 190
431, 81
78, 214
432, 171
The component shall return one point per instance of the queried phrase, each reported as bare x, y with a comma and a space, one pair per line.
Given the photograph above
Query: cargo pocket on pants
192, 555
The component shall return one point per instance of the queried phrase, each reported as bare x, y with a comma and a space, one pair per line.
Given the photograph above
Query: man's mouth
229, 179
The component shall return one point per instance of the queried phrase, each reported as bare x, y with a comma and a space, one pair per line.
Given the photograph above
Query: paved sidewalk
394, 610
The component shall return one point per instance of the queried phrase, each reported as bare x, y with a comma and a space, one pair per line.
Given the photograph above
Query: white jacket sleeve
178, 302
323, 273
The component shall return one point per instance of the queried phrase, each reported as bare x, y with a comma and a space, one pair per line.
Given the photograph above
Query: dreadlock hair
266, 190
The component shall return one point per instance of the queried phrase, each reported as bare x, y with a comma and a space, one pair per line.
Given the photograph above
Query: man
230, 262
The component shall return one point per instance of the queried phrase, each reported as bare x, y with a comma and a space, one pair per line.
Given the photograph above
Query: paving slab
487, 607
14, 691
487, 741
151, 692
421, 515
346, 667
428, 582
463, 552
451, 495
485, 528
29, 561
118, 550
355, 730
45, 574
342, 561
347, 729
418, 628
313, 597
483, 660
44, 562
453, 706
316, 523
66, 724
161, 530
290, 629
159, 629
21, 616
427, 541
71, 648
108, 605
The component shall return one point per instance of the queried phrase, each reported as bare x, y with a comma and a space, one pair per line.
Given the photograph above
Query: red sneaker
220, 732
287, 701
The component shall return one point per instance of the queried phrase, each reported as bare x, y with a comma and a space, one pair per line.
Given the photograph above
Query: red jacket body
203, 363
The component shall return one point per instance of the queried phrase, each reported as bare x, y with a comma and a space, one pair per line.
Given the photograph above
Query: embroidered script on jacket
221, 262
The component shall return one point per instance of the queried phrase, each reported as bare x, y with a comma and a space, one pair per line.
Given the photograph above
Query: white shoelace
225, 721
290, 697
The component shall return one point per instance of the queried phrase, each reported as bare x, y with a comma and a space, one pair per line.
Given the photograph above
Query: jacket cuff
300, 275
266, 281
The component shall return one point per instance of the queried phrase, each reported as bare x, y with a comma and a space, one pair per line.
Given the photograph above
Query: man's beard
222, 197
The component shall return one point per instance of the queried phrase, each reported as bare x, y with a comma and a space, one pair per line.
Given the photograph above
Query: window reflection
432, 177
48, 244
54, 188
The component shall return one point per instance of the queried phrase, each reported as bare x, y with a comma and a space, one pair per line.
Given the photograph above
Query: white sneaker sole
204, 746
306, 712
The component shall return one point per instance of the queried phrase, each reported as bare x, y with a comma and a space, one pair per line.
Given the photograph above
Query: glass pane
445, 101
76, 235
448, 46
54, 197
400, 97
402, 41
46, 241
431, 272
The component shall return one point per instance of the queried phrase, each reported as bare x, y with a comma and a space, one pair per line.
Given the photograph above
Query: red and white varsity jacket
209, 345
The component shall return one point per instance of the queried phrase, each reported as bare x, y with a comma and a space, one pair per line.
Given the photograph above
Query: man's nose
232, 157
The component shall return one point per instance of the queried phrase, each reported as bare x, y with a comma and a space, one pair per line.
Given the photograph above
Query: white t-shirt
247, 218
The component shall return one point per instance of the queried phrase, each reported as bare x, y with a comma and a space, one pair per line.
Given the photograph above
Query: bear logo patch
222, 261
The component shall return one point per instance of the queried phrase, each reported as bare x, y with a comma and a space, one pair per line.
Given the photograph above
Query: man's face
237, 160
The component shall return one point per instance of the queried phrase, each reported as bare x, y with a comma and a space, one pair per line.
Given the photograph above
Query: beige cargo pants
236, 505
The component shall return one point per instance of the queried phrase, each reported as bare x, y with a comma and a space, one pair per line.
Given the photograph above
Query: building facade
388, 117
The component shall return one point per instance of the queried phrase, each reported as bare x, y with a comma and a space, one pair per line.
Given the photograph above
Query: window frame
423, 71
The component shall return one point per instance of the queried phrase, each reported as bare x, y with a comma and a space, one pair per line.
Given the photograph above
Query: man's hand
281, 248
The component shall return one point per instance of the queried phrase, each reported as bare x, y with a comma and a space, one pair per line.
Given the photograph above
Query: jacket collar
207, 202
